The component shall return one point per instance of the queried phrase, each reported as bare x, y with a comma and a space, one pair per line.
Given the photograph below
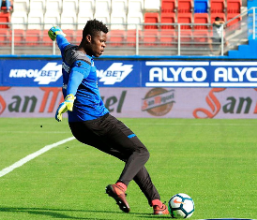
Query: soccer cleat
119, 195
157, 210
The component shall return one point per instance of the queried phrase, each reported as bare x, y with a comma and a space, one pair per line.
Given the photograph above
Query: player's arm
79, 71
55, 33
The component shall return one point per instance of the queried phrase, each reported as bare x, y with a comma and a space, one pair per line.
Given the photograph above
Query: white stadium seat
37, 6
119, 7
103, 10
134, 19
21, 6
82, 20
19, 20
35, 20
86, 7
118, 22
70, 6
152, 5
135, 6
53, 6
68, 21
51, 19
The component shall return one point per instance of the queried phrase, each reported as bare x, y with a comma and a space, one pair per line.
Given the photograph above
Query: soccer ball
181, 206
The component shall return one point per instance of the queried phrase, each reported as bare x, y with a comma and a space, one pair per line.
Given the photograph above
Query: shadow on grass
49, 212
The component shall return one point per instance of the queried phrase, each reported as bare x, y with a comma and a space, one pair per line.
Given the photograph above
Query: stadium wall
136, 87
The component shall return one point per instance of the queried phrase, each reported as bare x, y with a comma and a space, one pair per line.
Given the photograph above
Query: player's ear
89, 38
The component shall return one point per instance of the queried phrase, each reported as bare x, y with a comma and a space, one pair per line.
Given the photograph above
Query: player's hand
54, 31
65, 106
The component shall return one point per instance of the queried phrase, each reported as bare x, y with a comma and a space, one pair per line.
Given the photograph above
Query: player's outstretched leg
160, 209
118, 193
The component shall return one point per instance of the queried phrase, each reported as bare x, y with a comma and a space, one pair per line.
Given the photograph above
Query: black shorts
107, 134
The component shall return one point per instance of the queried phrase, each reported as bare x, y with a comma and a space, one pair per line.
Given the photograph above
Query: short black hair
218, 19
92, 26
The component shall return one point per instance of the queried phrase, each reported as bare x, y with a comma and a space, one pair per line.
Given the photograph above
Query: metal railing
144, 39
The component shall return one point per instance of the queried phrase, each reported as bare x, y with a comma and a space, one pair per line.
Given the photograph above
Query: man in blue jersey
90, 121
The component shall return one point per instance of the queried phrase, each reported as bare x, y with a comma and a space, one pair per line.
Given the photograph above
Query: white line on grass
32, 156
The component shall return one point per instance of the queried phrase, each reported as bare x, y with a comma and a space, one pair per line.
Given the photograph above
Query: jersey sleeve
62, 42
79, 71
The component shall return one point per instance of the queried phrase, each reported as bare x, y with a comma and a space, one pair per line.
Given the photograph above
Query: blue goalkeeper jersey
80, 79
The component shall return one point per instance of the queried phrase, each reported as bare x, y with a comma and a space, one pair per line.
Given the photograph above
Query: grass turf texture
213, 161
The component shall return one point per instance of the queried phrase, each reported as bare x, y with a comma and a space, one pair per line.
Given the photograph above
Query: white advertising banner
138, 102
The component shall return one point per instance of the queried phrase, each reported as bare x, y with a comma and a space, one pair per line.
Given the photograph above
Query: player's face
98, 43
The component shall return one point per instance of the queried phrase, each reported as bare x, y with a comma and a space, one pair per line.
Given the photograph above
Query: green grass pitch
213, 161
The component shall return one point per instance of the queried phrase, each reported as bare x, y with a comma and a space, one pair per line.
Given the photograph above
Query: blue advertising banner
135, 73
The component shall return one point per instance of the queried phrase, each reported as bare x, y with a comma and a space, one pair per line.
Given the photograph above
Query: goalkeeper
91, 123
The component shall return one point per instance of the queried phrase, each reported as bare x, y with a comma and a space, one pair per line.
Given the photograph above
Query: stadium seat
150, 37
152, 18
69, 7
35, 20
168, 6
134, 20
234, 6
150, 5
185, 6
201, 36
168, 18
82, 20
46, 41
68, 21
168, 38
217, 6
201, 6
185, 18
214, 15
201, 18
103, 10
53, 6
19, 37
33, 37
51, 19
70, 35
116, 37
130, 37
21, 6
119, 7
86, 7
186, 37
4, 37
37, 6
135, 6
4, 18
235, 24
19, 20
118, 21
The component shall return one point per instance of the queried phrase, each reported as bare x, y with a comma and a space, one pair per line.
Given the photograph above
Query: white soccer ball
181, 206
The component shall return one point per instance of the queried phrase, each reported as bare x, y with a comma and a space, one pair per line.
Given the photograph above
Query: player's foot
119, 195
157, 210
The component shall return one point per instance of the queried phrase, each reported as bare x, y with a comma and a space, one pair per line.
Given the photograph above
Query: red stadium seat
214, 15
116, 37
33, 37
19, 37
234, 6
201, 18
201, 36
168, 6
186, 37
168, 18
130, 36
168, 38
150, 37
70, 35
185, 18
185, 6
234, 24
152, 18
5, 37
46, 39
217, 6
4, 18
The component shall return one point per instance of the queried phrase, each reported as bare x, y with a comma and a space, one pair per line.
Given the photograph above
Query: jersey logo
117, 72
